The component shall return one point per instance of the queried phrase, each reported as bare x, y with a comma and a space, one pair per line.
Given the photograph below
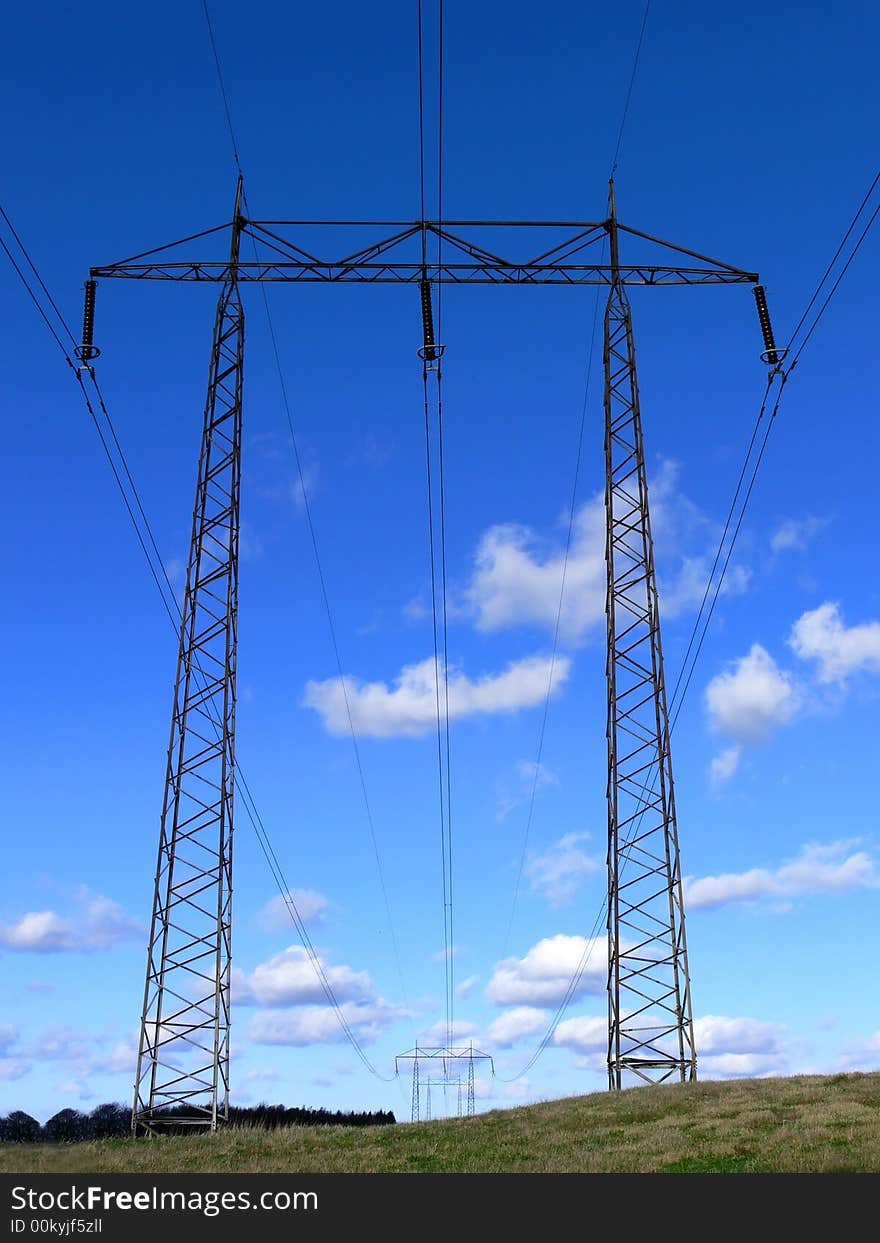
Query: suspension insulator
771, 354
428, 352
86, 351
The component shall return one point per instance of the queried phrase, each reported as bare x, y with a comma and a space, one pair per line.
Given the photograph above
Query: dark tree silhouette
109, 1122
19, 1128
112, 1121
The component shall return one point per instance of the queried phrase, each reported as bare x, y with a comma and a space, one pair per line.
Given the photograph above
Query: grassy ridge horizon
803, 1124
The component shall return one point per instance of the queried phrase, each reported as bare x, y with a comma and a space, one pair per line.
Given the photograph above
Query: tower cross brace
183, 1057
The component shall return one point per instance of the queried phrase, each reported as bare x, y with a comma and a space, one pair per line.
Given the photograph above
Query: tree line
113, 1121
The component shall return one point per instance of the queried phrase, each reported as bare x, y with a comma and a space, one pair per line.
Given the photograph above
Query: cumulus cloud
838, 650
725, 764
528, 777
466, 987
560, 871
517, 577
58, 1043
583, 1034
309, 1025
863, 1054
97, 924
276, 915
436, 1034
543, 976
836, 867
794, 533
715, 1033
747, 702
731, 1048
13, 1068
516, 1024
290, 978
409, 707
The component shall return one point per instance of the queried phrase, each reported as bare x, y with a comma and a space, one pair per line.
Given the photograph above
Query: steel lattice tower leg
414, 1116
650, 1022
471, 1093
183, 1055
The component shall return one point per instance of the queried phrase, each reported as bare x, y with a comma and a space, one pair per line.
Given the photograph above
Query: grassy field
809, 1123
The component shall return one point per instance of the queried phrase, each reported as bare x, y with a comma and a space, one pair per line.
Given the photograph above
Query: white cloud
543, 976
821, 636
261, 1074
731, 1048
794, 533
309, 1025
515, 1025
528, 777
516, 581
558, 874
8, 1038
436, 1033
57, 1043
289, 978
832, 868
583, 1034
77, 1088
517, 577
861, 1054
13, 1068
536, 775
409, 706
725, 764
122, 1057
466, 987
747, 702
741, 1065
98, 924
715, 1033
310, 905
305, 486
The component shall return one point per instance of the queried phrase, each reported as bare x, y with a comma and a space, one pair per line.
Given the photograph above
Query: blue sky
746, 139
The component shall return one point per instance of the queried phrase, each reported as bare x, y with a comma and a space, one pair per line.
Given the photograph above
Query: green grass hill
804, 1124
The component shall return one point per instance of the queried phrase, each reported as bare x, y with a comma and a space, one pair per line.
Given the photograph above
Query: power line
312, 533
556, 628
241, 782
629, 90
222, 87
834, 259
833, 289
681, 687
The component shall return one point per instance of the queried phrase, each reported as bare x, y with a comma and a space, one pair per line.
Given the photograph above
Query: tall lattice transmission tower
183, 1053
650, 1019
183, 1058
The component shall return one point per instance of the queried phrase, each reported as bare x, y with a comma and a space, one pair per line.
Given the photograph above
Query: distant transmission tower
183, 1054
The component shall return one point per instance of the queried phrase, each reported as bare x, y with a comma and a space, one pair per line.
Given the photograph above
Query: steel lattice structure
183, 1055
650, 1020
187, 995
449, 1057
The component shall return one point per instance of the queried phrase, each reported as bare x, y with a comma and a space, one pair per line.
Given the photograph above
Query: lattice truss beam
183, 1058
409, 255
650, 1021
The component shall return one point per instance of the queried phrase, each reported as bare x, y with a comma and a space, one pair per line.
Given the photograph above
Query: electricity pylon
650, 1019
186, 1004
183, 1054
449, 1059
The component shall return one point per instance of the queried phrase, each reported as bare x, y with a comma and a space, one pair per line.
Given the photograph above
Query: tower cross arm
397, 257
